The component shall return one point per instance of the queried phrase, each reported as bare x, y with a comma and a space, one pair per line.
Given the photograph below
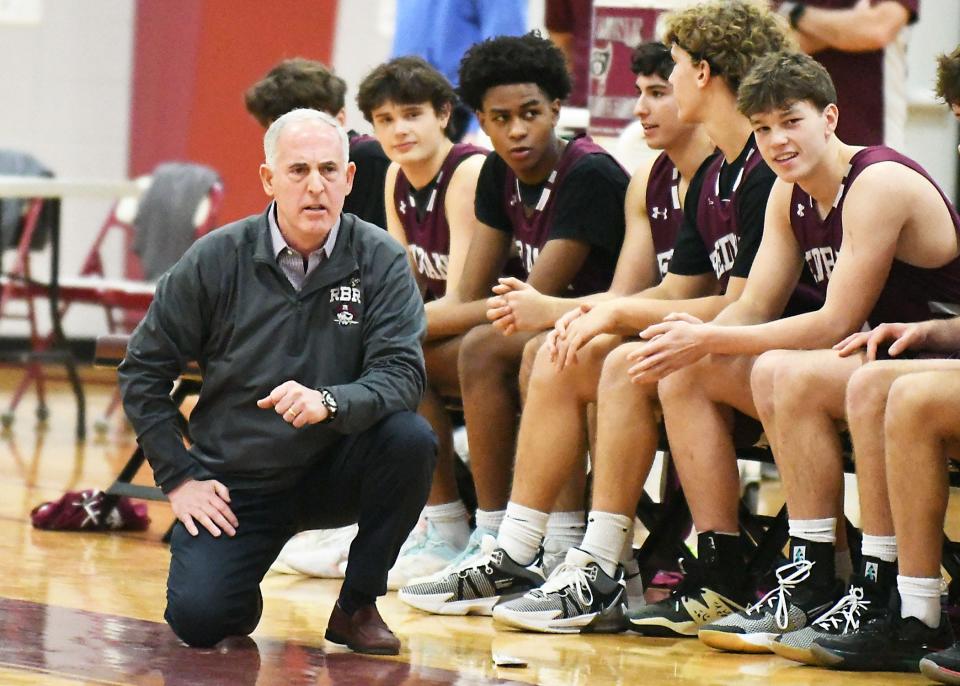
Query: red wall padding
193, 59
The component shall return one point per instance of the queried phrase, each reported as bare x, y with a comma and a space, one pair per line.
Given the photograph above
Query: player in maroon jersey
554, 424
714, 253
558, 206
881, 242
903, 417
430, 187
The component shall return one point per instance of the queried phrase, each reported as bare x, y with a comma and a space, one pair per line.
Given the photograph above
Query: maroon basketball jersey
663, 208
428, 233
909, 290
531, 228
717, 217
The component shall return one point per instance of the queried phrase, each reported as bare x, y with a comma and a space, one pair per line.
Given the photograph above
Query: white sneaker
321, 553
425, 555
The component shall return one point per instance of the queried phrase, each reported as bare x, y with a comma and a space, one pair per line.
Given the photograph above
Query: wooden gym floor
86, 608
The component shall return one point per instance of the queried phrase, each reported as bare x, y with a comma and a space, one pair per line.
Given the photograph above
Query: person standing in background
570, 23
863, 45
464, 23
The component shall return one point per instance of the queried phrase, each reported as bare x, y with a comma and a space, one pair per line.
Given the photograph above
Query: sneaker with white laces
579, 597
788, 607
477, 585
843, 618
427, 554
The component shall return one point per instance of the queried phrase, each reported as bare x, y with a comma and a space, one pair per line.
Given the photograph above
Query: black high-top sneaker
885, 644
807, 588
713, 587
867, 598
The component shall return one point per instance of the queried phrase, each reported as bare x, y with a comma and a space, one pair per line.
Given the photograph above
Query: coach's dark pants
379, 479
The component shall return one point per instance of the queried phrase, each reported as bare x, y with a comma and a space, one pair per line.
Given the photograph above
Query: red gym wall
193, 60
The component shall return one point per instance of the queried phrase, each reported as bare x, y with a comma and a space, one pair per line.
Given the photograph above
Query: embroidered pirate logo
345, 315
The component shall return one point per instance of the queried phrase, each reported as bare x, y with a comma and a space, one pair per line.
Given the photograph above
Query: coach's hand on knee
296, 404
204, 502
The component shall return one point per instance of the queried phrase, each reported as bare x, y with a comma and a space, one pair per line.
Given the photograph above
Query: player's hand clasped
517, 306
204, 502
296, 404
575, 329
674, 343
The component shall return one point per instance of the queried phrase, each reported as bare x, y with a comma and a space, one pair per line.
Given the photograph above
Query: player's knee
866, 391
531, 352
614, 374
910, 406
798, 385
479, 355
762, 379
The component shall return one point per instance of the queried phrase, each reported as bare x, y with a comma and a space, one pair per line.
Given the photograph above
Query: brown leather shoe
364, 632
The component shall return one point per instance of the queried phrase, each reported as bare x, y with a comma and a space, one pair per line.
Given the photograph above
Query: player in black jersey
299, 82
557, 206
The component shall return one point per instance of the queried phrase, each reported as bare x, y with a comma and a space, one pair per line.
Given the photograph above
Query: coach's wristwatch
329, 402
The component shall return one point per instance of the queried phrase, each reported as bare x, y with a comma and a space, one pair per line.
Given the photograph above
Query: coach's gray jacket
355, 327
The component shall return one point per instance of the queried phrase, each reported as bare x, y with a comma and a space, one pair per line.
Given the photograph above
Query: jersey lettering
663, 261
724, 254
821, 261
431, 265
528, 253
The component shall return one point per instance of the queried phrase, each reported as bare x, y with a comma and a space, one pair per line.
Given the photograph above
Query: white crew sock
604, 540
451, 522
920, 598
814, 530
881, 547
490, 520
842, 566
522, 532
565, 530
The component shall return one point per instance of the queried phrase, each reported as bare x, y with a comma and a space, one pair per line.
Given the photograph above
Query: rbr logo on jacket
344, 313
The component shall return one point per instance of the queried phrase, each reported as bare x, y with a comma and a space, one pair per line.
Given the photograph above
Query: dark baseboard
82, 348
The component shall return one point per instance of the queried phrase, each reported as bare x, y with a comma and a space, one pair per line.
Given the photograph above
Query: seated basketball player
692, 283
880, 240
306, 323
554, 423
298, 82
430, 189
559, 204
902, 415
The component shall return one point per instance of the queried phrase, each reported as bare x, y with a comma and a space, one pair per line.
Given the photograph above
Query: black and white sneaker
578, 597
888, 643
943, 667
867, 599
788, 607
477, 586
694, 602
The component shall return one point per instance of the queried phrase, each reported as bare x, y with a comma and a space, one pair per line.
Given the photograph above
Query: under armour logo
403, 207
656, 212
800, 553
870, 571
799, 209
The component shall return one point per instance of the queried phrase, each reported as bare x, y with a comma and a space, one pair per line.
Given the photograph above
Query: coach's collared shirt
295, 266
